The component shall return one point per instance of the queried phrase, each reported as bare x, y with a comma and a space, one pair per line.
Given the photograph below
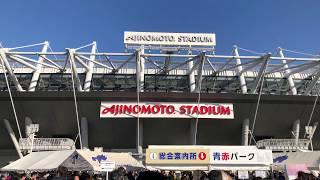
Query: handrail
40, 144
283, 144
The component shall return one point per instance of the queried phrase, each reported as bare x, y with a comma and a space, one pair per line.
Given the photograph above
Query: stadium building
166, 89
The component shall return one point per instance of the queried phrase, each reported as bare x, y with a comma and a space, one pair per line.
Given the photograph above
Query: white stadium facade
166, 89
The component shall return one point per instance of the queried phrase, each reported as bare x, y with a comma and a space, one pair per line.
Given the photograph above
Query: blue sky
261, 25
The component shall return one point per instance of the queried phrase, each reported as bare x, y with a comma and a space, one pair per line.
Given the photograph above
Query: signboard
243, 175
107, 166
166, 110
214, 155
173, 39
177, 156
240, 156
262, 174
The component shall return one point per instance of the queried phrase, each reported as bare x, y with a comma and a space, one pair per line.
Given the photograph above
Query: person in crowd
76, 176
23, 176
146, 175
34, 176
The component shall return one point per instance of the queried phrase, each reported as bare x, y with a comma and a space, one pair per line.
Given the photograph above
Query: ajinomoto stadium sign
171, 39
166, 110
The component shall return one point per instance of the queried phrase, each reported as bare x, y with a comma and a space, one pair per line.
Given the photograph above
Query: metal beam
96, 62
32, 60
12, 76
313, 83
302, 68
121, 66
36, 73
290, 80
242, 79
153, 63
19, 60
79, 60
52, 62
109, 60
74, 69
261, 73
166, 65
88, 79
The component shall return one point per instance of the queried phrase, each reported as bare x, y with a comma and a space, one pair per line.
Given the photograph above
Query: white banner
174, 39
166, 110
215, 155
241, 156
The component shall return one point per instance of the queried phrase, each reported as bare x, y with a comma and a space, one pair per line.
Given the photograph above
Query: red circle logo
202, 156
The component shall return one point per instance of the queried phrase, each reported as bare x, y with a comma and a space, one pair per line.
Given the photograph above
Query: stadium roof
37, 67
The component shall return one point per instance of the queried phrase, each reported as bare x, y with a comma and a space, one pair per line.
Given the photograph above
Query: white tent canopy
310, 159
73, 160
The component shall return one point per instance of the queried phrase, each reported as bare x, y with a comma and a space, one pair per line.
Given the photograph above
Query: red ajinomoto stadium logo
202, 156
167, 110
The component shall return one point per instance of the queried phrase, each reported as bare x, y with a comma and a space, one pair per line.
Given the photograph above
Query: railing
284, 144
46, 144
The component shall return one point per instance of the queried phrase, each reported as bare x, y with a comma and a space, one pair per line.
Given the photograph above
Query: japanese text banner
240, 156
177, 156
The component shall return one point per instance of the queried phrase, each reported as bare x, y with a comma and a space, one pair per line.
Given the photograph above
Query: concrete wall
55, 113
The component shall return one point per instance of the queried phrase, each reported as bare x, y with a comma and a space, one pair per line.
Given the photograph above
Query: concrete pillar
84, 133
139, 137
13, 137
296, 130
245, 132
193, 127
27, 123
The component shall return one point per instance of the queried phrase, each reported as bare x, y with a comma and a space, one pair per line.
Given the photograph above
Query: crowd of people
122, 174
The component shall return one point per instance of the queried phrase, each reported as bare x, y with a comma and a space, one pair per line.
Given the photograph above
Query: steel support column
36, 73
193, 125
242, 79
140, 83
245, 132
12, 76
201, 60
287, 71
88, 79
27, 122
74, 72
192, 81
296, 131
13, 137
141, 76
139, 136
263, 67
84, 133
